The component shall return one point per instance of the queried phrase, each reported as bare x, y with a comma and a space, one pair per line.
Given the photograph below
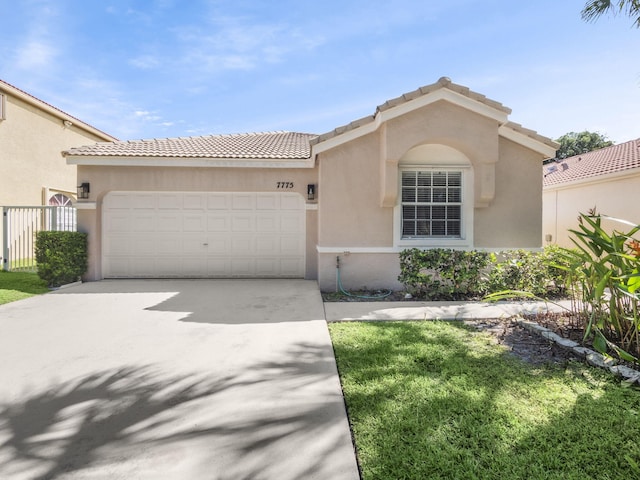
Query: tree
573, 143
594, 9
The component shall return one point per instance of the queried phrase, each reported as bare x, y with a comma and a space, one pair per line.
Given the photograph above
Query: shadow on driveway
151, 379
137, 423
223, 301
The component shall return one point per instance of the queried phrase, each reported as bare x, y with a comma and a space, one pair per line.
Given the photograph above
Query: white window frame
466, 225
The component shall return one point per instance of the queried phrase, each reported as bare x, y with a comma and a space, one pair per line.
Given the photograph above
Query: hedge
447, 274
61, 256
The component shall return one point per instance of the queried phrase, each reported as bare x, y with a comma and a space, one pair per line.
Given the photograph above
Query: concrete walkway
200, 379
372, 311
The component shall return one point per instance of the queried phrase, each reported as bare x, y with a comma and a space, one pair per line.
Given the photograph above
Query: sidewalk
381, 311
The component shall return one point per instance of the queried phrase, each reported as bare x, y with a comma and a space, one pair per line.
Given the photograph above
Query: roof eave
397, 107
529, 139
50, 109
593, 179
201, 162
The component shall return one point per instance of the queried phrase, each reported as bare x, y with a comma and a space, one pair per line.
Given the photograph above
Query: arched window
60, 200
63, 216
435, 201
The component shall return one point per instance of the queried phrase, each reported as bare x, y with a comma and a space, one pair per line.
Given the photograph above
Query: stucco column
88, 223
485, 184
388, 172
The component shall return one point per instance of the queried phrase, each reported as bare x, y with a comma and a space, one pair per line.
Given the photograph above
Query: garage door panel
117, 267
194, 201
118, 222
194, 222
288, 266
195, 245
291, 245
218, 201
117, 245
291, 223
242, 245
144, 201
142, 267
243, 201
219, 246
242, 223
242, 267
218, 267
269, 222
268, 245
143, 247
268, 201
167, 245
169, 222
143, 222
170, 201
291, 201
267, 267
218, 223
203, 234
194, 267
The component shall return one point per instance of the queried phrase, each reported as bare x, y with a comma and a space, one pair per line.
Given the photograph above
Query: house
32, 135
34, 174
441, 166
607, 180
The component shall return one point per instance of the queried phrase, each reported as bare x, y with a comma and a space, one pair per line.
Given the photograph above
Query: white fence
19, 228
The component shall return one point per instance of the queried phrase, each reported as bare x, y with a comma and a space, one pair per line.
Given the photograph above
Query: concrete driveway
172, 379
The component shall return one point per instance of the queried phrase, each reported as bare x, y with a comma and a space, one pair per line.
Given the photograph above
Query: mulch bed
522, 343
530, 346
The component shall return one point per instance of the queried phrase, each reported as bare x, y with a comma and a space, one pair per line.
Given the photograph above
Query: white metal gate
19, 228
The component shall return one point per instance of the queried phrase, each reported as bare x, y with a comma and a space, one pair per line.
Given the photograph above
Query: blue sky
170, 68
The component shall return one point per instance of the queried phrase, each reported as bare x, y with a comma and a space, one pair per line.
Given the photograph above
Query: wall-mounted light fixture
83, 190
311, 191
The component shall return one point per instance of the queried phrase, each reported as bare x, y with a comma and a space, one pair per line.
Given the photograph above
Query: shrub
61, 256
605, 269
443, 274
537, 273
446, 274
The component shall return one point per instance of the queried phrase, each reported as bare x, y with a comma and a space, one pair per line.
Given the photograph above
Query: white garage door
179, 234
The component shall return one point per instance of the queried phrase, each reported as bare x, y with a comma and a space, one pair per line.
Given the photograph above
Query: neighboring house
32, 135
34, 174
607, 180
438, 167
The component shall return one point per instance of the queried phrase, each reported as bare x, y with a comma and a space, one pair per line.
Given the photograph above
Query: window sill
434, 243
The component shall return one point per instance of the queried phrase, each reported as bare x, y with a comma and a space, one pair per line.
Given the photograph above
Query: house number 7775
284, 184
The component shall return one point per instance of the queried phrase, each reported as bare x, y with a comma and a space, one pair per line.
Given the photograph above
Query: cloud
239, 43
145, 62
147, 116
38, 49
35, 54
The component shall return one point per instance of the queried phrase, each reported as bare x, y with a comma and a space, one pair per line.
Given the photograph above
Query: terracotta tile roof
12, 89
516, 127
443, 82
285, 145
616, 158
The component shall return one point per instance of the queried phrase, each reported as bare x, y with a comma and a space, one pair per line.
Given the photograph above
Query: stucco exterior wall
514, 217
614, 196
105, 179
31, 142
358, 178
349, 213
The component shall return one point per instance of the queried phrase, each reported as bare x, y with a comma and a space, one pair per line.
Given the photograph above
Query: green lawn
18, 285
435, 400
